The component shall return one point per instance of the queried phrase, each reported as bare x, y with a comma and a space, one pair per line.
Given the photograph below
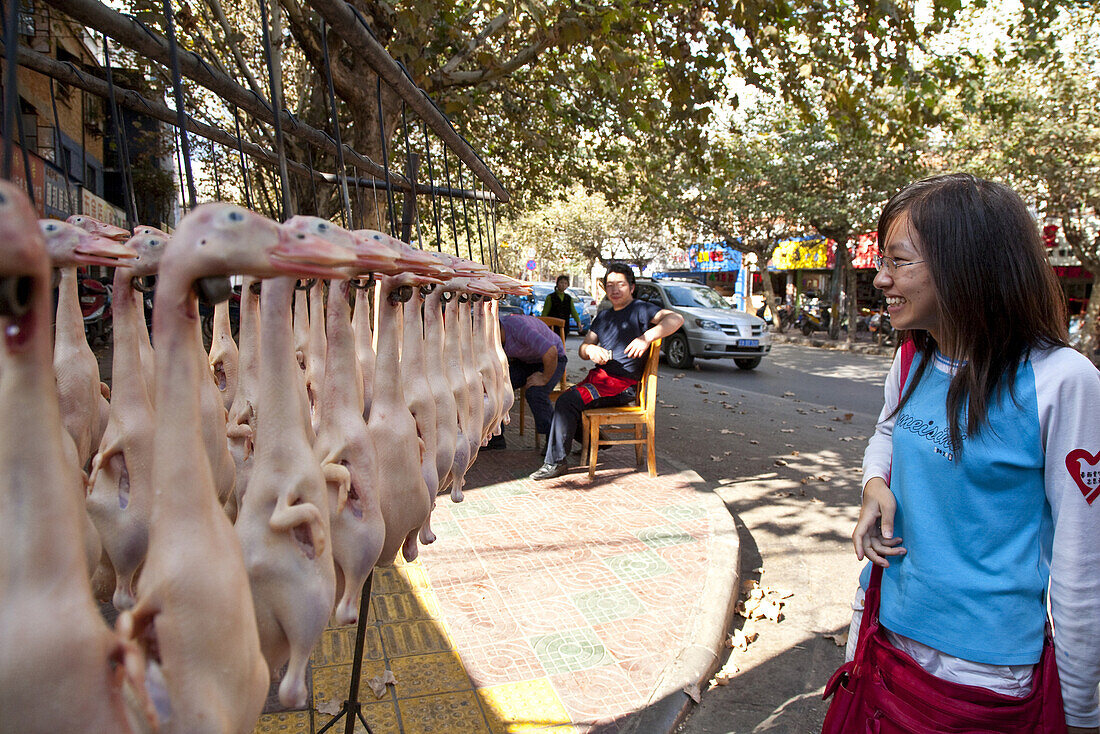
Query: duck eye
235, 216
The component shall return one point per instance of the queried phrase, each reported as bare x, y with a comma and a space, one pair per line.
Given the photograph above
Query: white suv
711, 330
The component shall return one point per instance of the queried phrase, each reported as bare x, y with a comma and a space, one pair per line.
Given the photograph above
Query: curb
712, 615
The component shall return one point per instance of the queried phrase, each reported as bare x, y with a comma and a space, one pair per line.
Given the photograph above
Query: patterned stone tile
508, 489
667, 594
663, 536
448, 712
597, 693
607, 604
542, 616
571, 650
501, 661
337, 646
473, 508
678, 513
414, 638
536, 583
447, 530
382, 718
422, 675
584, 575
404, 607
638, 565
646, 672
287, 722
524, 706
637, 636
332, 684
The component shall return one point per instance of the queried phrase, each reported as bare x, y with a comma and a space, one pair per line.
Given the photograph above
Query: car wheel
807, 328
747, 363
678, 353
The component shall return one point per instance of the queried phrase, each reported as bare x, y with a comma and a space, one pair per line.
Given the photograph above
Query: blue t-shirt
616, 329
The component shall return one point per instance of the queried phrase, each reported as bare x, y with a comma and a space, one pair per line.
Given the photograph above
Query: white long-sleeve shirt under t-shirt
1056, 420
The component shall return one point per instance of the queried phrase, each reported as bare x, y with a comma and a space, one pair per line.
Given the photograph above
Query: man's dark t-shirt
616, 329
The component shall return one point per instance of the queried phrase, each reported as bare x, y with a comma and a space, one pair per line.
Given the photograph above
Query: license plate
748, 342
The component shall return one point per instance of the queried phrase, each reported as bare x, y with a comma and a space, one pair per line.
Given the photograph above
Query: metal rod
11, 83
67, 73
240, 151
385, 160
480, 239
274, 74
217, 178
58, 150
177, 89
116, 118
351, 26
447, 174
431, 183
147, 42
341, 169
466, 221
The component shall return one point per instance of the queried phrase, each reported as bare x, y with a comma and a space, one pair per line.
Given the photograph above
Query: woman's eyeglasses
891, 264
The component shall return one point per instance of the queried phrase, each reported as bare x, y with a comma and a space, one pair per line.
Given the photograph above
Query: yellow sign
811, 253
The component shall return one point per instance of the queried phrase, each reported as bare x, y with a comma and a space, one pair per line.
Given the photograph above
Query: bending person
536, 360
617, 342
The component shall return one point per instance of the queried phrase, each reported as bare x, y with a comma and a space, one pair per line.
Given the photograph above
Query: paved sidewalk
555, 606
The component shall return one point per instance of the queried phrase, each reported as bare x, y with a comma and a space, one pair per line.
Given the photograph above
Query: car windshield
695, 296
579, 293
541, 291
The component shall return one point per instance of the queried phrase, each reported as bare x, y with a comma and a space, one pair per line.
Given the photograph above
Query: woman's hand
874, 533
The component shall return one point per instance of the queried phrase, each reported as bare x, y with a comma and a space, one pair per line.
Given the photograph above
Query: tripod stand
352, 709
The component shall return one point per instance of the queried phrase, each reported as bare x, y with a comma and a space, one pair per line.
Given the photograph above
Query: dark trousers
537, 397
566, 424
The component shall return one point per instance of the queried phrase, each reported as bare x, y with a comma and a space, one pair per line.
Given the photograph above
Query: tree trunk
1088, 343
842, 264
853, 303
770, 298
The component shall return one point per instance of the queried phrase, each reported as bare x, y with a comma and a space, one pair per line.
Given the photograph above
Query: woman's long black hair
996, 294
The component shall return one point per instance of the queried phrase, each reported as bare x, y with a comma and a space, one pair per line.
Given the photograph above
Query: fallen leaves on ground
788, 394
723, 392
847, 418
786, 430
780, 462
330, 707
715, 458
679, 376
693, 692
740, 639
840, 638
761, 602
379, 682
753, 441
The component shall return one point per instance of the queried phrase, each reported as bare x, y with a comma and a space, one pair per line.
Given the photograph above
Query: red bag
883, 691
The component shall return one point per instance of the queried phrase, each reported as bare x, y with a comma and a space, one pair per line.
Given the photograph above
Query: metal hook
401, 294
305, 285
144, 283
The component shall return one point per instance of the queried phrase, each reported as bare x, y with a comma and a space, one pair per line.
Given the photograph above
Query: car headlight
708, 324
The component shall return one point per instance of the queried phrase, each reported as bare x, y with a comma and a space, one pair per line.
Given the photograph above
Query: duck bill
94, 249
483, 287
299, 253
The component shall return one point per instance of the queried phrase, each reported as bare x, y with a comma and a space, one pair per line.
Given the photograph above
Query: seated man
536, 359
617, 342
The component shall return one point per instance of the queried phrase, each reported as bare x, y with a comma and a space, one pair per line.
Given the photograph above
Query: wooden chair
558, 326
602, 425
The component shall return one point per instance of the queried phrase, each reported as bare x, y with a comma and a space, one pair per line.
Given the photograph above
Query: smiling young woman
985, 455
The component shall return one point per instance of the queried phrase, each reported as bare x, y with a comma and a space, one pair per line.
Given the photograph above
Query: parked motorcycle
95, 306
815, 316
785, 318
881, 329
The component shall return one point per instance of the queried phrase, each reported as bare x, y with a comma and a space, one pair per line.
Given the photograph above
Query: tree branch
476, 42
219, 14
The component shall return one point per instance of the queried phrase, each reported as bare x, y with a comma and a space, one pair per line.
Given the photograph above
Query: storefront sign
38, 175
104, 211
801, 253
713, 257
60, 201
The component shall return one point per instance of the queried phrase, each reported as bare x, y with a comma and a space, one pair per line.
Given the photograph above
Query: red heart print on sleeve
1085, 470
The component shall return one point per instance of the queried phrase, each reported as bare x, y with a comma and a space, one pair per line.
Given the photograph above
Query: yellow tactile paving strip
433, 693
